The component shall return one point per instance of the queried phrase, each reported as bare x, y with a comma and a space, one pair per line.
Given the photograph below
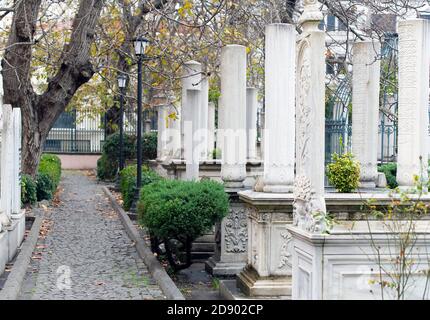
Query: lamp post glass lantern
140, 45
122, 83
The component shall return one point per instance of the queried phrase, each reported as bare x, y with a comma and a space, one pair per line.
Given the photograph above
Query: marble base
368, 184
252, 284
4, 251
278, 189
345, 264
223, 269
228, 291
15, 234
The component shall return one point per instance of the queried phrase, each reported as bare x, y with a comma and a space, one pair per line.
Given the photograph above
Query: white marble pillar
6, 164
191, 80
309, 205
280, 108
251, 121
233, 107
16, 179
365, 109
413, 117
191, 127
162, 137
204, 118
211, 128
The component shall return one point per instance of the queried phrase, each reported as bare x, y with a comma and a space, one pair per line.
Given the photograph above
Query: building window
331, 23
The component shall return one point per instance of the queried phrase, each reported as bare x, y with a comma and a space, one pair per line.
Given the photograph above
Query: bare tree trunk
41, 111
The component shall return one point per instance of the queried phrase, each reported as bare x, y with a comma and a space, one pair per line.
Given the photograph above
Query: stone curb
155, 268
16, 277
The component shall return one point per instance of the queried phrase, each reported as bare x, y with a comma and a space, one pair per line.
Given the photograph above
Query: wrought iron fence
84, 132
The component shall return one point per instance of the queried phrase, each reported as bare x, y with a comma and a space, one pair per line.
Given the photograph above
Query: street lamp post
140, 44
122, 83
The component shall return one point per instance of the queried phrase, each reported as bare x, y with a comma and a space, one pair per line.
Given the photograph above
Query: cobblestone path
86, 253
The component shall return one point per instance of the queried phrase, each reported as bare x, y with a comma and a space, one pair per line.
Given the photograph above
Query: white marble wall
365, 109
413, 119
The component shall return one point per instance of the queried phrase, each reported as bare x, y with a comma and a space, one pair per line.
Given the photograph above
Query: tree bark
39, 112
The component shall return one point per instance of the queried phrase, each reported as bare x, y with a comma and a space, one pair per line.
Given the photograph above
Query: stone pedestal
251, 121
268, 270
280, 85
233, 107
413, 118
345, 265
365, 109
231, 241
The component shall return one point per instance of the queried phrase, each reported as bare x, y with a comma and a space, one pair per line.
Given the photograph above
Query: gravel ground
86, 253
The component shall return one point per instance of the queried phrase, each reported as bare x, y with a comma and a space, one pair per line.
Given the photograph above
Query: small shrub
108, 164
128, 182
178, 212
28, 190
112, 143
344, 172
106, 168
45, 186
149, 146
390, 171
51, 165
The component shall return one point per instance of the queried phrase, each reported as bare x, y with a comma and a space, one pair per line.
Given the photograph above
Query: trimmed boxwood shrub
178, 212
28, 190
128, 182
390, 170
108, 164
51, 165
344, 172
45, 187
149, 146
48, 177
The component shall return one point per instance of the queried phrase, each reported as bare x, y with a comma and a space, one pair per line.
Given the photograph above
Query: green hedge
28, 190
108, 164
390, 170
149, 146
128, 182
48, 176
45, 184
178, 212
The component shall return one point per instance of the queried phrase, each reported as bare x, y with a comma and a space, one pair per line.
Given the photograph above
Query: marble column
413, 117
162, 137
16, 179
232, 233
204, 118
191, 80
233, 107
191, 127
280, 108
211, 128
365, 109
6, 164
309, 206
251, 121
